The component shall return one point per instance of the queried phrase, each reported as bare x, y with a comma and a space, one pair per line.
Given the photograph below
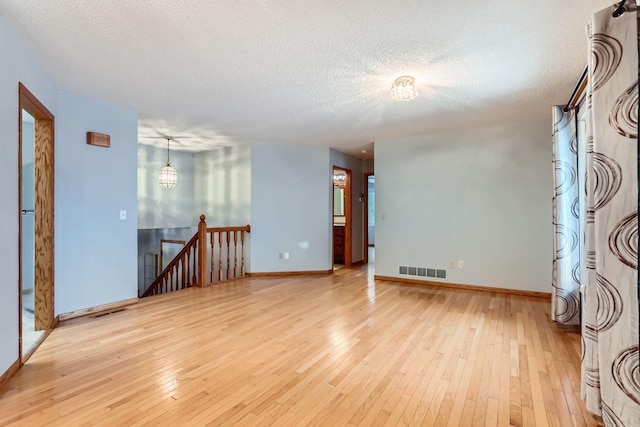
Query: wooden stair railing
230, 241
181, 272
203, 258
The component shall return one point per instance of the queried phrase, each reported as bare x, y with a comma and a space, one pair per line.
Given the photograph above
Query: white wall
159, 207
481, 195
290, 208
223, 186
357, 207
18, 65
95, 252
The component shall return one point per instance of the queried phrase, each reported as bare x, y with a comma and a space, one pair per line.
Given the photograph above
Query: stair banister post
202, 252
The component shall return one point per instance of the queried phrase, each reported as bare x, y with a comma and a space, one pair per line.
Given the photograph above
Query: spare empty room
319, 213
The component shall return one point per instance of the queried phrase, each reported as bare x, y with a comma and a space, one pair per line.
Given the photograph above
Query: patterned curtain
565, 299
610, 364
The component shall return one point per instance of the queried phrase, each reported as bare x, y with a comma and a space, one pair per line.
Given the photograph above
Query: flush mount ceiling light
404, 89
168, 177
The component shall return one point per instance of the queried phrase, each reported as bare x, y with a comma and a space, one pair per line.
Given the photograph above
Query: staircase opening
212, 255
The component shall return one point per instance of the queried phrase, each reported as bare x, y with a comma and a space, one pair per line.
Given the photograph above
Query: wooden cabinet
338, 244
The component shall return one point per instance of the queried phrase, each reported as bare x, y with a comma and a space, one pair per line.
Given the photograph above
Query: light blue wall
367, 166
481, 195
159, 207
216, 183
95, 252
290, 208
223, 186
18, 65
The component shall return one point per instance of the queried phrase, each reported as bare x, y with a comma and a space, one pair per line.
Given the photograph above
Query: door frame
347, 215
44, 199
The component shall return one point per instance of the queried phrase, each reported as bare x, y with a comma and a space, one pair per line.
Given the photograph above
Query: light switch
123, 215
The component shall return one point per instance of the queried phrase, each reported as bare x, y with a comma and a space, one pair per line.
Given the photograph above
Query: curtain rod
622, 7
577, 91
619, 10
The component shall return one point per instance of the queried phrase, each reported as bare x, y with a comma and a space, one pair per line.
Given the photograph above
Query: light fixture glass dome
168, 177
404, 88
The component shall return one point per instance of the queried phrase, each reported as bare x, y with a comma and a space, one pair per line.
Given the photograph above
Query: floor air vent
423, 272
106, 313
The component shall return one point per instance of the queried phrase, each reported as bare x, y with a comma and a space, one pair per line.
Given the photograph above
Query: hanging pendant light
168, 177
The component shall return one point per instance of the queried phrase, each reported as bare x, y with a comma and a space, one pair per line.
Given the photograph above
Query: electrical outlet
452, 263
123, 215
460, 263
286, 255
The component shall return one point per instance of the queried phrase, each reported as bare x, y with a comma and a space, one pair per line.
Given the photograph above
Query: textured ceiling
309, 72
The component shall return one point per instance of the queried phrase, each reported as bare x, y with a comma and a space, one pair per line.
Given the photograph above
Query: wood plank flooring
329, 350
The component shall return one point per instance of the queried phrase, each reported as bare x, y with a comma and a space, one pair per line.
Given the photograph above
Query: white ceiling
310, 72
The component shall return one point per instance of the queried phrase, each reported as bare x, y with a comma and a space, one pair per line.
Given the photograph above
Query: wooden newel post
202, 252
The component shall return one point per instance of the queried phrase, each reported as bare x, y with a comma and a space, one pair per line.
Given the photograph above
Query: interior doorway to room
369, 217
28, 233
35, 223
341, 217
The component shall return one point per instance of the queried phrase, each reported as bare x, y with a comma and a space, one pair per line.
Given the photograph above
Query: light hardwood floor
321, 350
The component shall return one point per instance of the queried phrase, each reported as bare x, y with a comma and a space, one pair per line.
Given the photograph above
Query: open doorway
28, 233
341, 217
369, 217
35, 222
